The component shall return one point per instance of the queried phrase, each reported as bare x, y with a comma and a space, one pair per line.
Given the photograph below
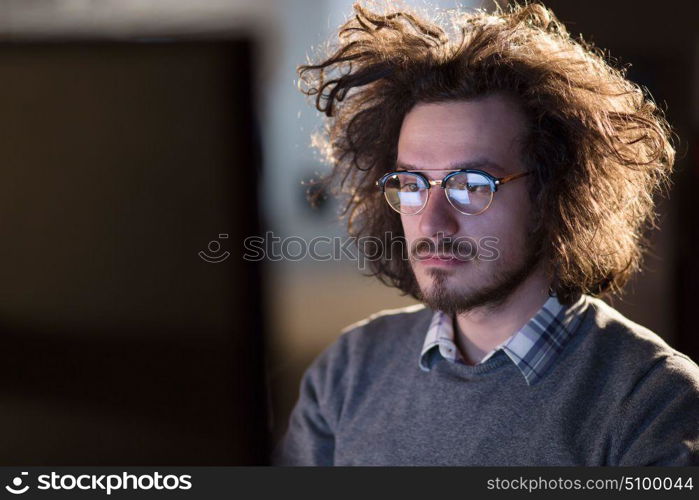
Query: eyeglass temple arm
508, 178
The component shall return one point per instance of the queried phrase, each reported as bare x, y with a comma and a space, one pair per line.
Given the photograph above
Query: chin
449, 292
449, 286
447, 277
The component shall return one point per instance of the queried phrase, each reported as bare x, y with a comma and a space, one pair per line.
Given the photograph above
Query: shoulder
388, 320
632, 347
382, 341
387, 329
653, 390
386, 334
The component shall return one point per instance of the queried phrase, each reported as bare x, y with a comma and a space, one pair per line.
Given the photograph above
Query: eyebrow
479, 163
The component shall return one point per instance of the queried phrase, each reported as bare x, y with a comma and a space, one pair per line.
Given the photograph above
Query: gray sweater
616, 395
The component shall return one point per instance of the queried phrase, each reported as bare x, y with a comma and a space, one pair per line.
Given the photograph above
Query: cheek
511, 228
507, 219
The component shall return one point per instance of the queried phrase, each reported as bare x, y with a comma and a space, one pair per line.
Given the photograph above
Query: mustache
426, 248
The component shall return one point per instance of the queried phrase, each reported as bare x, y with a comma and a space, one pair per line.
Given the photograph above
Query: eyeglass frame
492, 180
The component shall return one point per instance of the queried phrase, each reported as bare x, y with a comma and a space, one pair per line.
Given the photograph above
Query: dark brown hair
599, 146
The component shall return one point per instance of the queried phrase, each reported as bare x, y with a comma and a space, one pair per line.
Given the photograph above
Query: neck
480, 330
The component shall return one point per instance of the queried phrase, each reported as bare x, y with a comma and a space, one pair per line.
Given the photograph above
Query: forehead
477, 163
483, 133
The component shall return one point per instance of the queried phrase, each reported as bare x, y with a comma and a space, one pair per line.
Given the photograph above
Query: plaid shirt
533, 348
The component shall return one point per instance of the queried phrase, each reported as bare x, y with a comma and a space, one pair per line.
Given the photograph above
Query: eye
410, 186
472, 188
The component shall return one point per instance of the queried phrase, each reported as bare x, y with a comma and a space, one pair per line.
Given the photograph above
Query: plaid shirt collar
533, 348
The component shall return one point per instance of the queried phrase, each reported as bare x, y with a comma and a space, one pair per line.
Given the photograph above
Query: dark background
119, 344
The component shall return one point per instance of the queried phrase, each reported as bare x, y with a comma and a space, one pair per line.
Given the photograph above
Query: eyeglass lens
469, 193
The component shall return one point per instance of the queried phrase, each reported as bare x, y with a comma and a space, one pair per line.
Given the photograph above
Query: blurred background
143, 141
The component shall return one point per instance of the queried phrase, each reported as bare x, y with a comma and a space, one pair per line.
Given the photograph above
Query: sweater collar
533, 348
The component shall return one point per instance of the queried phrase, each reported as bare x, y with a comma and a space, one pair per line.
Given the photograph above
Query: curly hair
600, 147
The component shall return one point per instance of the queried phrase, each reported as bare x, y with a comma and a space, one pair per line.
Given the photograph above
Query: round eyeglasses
468, 191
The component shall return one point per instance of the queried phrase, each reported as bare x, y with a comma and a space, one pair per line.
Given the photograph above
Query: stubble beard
502, 284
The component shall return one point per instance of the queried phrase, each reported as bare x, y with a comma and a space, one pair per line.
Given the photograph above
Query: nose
438, 216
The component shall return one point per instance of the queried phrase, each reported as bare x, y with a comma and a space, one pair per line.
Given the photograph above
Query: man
514, 138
